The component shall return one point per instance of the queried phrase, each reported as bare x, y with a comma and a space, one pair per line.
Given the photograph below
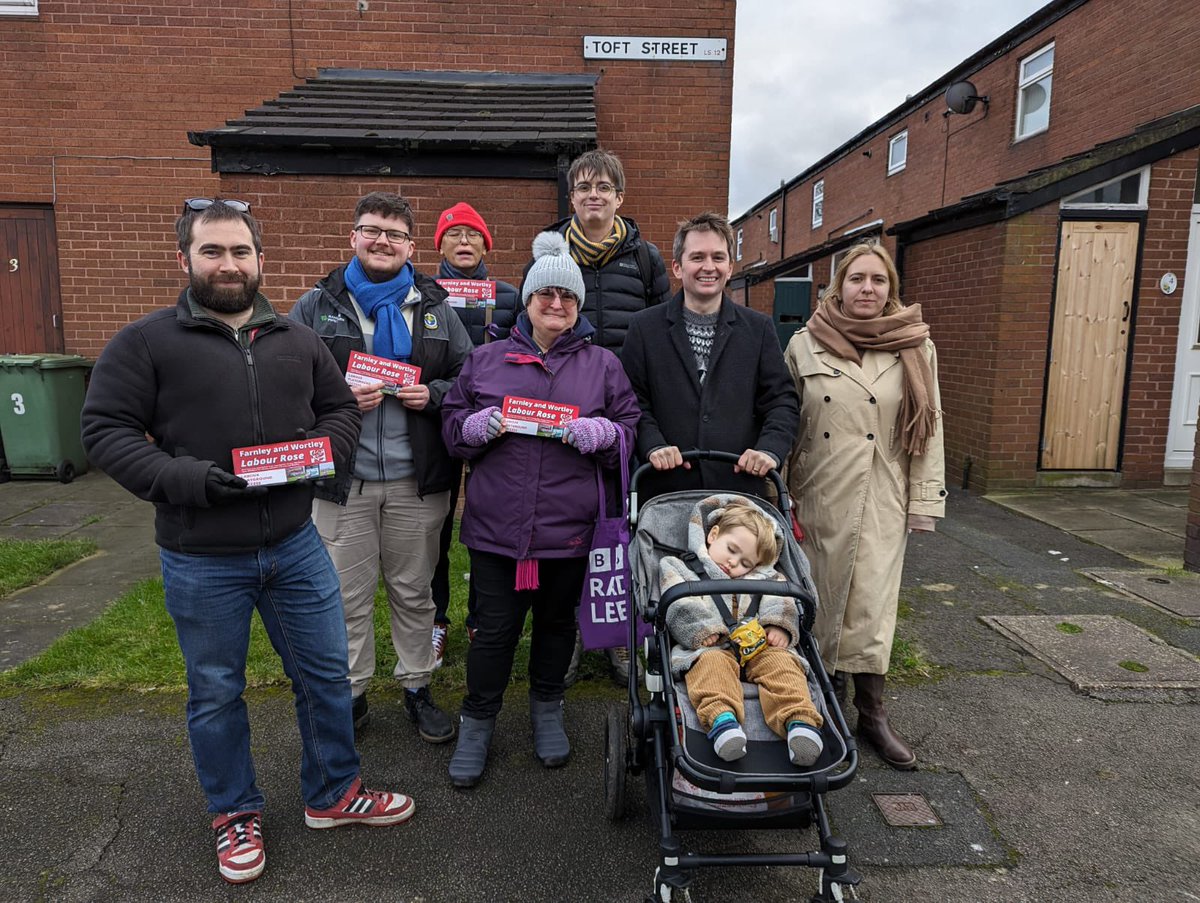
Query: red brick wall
957, 281
1156, 327
1110, 75
129, 80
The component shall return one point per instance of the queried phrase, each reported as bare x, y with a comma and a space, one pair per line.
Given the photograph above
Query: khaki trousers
385, 526
714, 686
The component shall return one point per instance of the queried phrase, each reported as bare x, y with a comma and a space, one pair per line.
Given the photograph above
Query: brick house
1051, 231
118, 111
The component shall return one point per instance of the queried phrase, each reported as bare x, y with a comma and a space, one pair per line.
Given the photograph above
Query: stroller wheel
616, 724
665, 893
833, 891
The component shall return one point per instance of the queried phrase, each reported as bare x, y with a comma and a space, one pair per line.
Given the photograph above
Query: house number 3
13, 265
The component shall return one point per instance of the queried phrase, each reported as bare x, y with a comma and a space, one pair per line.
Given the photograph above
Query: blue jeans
295, 589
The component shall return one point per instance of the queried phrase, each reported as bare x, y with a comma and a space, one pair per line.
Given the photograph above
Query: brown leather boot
839, 689
873, 723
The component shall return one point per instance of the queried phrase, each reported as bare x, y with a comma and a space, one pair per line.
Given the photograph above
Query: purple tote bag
607, 600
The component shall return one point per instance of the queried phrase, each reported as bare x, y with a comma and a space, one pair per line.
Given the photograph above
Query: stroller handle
784, 504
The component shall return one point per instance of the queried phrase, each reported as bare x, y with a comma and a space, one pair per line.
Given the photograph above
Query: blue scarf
381, 302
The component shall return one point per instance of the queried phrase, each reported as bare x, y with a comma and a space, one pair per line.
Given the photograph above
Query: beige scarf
903, 331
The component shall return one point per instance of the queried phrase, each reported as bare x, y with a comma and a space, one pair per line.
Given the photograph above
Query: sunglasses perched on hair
195, 205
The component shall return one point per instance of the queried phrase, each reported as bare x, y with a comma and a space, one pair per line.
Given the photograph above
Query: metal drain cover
906, 810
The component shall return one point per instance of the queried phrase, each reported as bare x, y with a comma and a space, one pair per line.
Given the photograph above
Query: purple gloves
590, 434
482, 426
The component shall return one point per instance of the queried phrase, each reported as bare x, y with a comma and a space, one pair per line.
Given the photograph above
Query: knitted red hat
461, 215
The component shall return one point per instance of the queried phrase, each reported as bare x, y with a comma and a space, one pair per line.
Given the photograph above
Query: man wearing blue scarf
387, 513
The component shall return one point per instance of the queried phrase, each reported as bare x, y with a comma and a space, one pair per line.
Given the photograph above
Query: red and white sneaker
241, 856
362, 806
441, 634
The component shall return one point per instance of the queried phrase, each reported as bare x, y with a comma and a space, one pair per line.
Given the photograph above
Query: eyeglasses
395, 236
604, 189
195, 205
547, 296
457, 235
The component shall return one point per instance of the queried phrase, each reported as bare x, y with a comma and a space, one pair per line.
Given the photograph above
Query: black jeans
440, 585
499, 618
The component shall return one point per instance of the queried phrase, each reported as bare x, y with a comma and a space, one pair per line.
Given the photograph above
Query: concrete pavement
1045, 793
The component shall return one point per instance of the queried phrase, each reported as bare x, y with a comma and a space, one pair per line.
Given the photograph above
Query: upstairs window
1127, 192
738, 252
897, 153
1033, 92
774, 224
18, 7
818, 211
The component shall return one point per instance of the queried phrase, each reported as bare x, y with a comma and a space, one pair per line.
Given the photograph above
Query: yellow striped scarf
596, 254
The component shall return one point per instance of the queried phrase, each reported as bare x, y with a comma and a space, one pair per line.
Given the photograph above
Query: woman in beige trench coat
866, 470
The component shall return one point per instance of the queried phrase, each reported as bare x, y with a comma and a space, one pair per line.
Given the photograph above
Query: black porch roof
347, 121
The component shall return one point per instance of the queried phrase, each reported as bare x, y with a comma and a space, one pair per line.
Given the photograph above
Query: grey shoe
618, 657
572, 674
471, 753
550, 743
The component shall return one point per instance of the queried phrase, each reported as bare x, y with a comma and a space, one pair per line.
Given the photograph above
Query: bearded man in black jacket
170, 398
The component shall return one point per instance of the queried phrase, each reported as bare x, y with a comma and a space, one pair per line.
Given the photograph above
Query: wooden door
30, 307
1093, 305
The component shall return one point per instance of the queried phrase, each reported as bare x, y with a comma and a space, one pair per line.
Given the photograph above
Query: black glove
222, 487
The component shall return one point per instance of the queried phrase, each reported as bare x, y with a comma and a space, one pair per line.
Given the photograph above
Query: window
1124, 192
834, 261
1033, 93
818, 216
738, 252
897, 153
18, 7
774, 224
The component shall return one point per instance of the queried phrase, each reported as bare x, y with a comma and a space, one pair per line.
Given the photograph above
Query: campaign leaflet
364, 369
469, 293
534, 417
284, 462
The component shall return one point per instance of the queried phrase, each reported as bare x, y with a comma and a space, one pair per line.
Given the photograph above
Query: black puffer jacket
190, 384
620, 288
508, 305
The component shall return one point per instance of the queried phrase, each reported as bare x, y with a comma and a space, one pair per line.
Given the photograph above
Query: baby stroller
687, 785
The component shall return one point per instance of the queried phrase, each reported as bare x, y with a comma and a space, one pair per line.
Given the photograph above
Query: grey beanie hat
552, 268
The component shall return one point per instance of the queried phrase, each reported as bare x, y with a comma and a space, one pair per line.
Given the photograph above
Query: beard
225, 299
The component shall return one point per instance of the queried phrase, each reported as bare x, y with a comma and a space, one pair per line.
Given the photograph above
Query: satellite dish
961, 97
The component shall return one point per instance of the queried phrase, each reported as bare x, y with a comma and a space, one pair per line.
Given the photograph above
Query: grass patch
1068, 627
26, 562
909, 664
1135, 667
132, 646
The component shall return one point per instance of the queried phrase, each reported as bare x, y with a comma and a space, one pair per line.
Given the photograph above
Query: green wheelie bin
41, 397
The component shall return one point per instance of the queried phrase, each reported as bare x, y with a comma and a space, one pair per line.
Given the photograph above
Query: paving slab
1178, 594
962, 839
1104, 656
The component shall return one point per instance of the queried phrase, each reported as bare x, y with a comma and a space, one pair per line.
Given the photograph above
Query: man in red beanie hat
488, 309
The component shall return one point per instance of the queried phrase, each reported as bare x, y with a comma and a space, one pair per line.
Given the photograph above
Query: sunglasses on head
195, 205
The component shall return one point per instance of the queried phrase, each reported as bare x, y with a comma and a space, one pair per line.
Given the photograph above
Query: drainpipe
782, 215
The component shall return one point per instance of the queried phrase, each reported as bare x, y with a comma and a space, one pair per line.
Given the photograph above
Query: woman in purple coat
531, 500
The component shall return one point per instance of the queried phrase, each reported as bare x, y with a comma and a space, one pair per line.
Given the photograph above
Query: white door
1185, 399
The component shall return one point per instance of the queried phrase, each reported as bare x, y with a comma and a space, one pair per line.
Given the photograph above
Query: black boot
432, 723
873, 723
550, 743
839, 689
